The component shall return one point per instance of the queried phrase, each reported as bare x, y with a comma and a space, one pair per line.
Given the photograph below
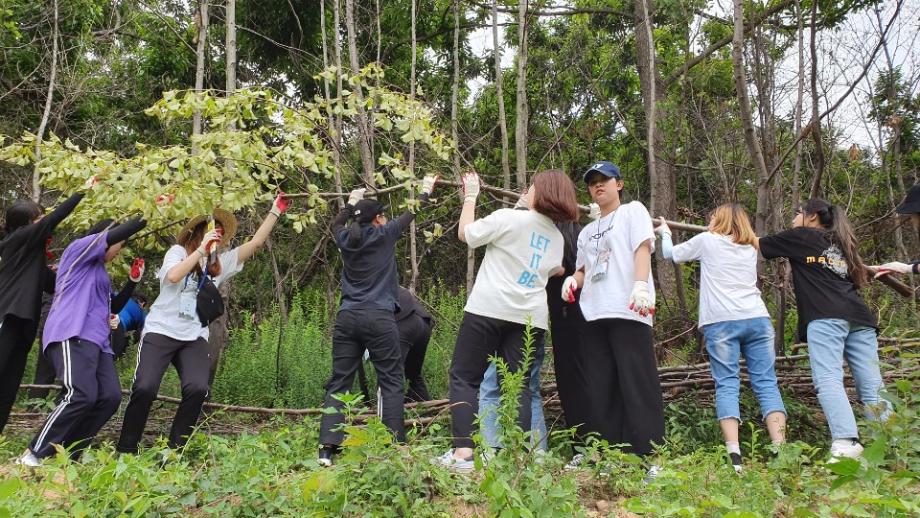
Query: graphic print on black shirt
823, 288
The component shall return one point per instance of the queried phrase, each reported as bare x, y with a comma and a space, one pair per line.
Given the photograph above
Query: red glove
48, 253
165, 198
282, 203
137, 270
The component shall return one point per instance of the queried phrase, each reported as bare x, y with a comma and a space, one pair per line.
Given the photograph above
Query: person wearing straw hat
76, 341
911, 208
176, 328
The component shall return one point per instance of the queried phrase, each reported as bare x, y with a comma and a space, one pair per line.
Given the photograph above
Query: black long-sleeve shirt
24, 266
369, 277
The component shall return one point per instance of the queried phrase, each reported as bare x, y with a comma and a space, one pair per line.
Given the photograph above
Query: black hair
355, 233
20, 214
833, 220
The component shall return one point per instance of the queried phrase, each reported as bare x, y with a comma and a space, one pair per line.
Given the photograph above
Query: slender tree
46, 113
500, 97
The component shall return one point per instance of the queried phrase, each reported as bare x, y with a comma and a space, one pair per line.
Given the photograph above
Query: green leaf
844, 466
9, 487
875, 453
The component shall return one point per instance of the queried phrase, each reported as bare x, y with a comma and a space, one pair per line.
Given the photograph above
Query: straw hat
226, 219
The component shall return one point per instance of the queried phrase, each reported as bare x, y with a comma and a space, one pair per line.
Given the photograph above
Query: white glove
355, 196
569, 287
662, 227
428, 183
594, 211
91, 182
470, 186
114, 321
640, 300
893, 267
208, 240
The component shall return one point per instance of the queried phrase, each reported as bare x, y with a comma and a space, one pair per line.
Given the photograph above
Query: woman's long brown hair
190, 244
555, 196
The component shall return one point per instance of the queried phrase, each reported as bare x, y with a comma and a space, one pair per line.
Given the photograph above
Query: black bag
209, 303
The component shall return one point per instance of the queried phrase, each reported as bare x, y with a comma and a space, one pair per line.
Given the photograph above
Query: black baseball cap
911, 204
603, 167
366, 210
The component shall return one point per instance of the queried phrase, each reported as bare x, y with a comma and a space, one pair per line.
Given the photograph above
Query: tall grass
287, 364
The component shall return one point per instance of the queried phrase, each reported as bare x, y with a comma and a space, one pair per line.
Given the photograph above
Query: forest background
225, 103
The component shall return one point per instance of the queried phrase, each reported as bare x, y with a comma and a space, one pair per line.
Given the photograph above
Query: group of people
84, 328
590, 286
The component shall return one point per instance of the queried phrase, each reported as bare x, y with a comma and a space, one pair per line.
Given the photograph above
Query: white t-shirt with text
728, 277
615, 236
522, 248
165, 317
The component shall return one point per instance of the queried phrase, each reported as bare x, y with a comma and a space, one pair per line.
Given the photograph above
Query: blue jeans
489, 393
830, 341
726, 342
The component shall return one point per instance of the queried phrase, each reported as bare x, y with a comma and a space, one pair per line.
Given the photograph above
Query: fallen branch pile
676, 382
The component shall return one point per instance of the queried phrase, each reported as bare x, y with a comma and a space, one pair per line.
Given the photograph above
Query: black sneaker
736, 461
326, 453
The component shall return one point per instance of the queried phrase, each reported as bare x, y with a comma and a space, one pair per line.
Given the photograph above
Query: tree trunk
46, 114
454, 94
893, 158
202, 39
364, 142
218, 332
663, 199
816, 188
413, 242
520, 127
500, 96
334, 122
747, 121
231, 46
799, 98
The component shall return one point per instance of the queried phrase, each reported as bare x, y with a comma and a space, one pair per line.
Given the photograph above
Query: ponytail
834, 220
355, 234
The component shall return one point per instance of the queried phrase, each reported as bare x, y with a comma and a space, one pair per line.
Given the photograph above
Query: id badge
188, 304
600, 270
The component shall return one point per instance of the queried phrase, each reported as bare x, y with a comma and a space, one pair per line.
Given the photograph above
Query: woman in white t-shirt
614, 272
733, 319
523, 249
174, 332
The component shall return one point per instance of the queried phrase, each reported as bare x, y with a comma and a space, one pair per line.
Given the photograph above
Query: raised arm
247, 249
124, 231
470, 183
120, 299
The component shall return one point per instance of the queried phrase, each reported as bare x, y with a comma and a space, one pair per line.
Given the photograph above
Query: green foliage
256, 140
516, 479
286, 364
273, 472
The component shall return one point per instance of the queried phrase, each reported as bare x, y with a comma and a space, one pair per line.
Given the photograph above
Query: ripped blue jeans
726, 343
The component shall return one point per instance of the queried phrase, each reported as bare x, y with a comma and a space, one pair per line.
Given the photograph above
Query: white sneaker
576, 462
28, 459
651, 474
450, 462
849, 448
